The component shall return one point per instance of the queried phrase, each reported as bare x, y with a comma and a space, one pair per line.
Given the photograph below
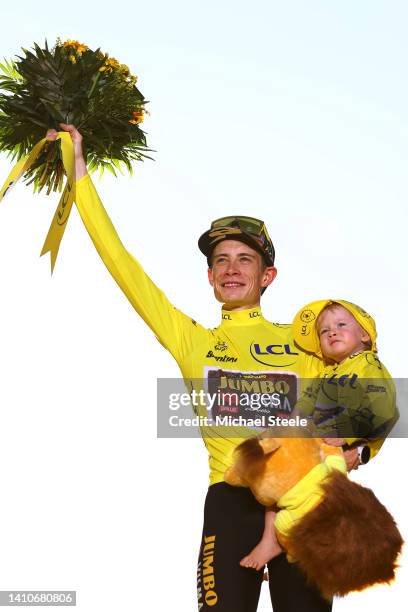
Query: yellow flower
137, 117
72, 59
74, 44
110, 64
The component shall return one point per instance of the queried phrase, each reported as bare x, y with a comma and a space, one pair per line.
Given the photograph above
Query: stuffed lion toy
338, 532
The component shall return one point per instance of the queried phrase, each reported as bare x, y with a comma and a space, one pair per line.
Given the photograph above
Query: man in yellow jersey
245, 353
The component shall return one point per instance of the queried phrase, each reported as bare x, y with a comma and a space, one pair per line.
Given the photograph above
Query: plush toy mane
349, 541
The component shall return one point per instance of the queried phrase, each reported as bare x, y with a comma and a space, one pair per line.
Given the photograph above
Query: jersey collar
334, 366
250, 316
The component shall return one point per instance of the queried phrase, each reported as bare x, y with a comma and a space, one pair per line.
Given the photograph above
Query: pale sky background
293, 112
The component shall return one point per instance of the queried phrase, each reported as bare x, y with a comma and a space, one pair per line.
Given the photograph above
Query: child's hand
335, 441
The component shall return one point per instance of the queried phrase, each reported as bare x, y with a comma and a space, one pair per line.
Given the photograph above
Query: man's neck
235, 307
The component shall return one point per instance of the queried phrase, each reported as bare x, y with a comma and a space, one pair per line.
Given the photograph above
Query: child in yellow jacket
353, 402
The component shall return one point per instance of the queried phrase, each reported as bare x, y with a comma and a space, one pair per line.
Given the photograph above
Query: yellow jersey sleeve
174, 330
377, 410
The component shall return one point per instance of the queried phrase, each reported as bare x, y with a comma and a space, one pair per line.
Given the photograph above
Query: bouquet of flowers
70, 83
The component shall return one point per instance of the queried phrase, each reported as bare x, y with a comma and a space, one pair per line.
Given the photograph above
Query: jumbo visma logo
275, 355
206, 593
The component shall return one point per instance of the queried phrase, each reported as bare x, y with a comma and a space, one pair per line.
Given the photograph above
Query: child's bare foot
263, 552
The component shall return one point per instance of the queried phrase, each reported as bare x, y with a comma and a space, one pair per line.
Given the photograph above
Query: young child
352, 404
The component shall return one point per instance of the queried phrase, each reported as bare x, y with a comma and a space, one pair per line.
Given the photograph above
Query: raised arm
176, 331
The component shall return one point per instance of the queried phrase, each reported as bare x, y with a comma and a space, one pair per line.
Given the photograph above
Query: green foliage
70, 84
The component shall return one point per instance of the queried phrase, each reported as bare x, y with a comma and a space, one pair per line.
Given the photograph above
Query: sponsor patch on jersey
373, 360
223, 358
221, 345
274, 355
376, 389
251, 394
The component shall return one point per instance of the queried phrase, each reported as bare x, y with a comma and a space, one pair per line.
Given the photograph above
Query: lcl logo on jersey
253, 315
342, 381
270, 353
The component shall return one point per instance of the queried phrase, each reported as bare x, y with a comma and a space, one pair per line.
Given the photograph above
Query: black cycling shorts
233, 525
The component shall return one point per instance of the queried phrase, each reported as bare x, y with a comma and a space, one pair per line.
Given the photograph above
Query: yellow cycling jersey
354, 398
244, 353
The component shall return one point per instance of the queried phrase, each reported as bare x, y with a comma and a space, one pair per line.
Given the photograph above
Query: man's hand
76, 137
352, 458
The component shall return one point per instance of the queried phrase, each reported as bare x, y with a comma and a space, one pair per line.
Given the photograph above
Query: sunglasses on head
249, 225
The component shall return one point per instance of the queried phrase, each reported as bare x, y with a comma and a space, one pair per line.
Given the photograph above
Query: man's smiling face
238, 274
